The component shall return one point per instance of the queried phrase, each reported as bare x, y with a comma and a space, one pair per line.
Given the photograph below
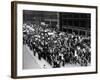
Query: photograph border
14, 38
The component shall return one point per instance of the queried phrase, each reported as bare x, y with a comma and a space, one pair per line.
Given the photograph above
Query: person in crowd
58, 48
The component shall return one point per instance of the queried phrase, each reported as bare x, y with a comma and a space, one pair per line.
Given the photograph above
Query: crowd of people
58, 48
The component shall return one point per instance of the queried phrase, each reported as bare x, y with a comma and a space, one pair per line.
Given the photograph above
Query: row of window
75, 15
76, 31
76, 22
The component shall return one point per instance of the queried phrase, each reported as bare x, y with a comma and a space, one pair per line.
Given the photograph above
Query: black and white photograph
56, 39
53, 39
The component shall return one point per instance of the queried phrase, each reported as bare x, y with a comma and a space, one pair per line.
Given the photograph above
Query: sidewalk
41, 62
